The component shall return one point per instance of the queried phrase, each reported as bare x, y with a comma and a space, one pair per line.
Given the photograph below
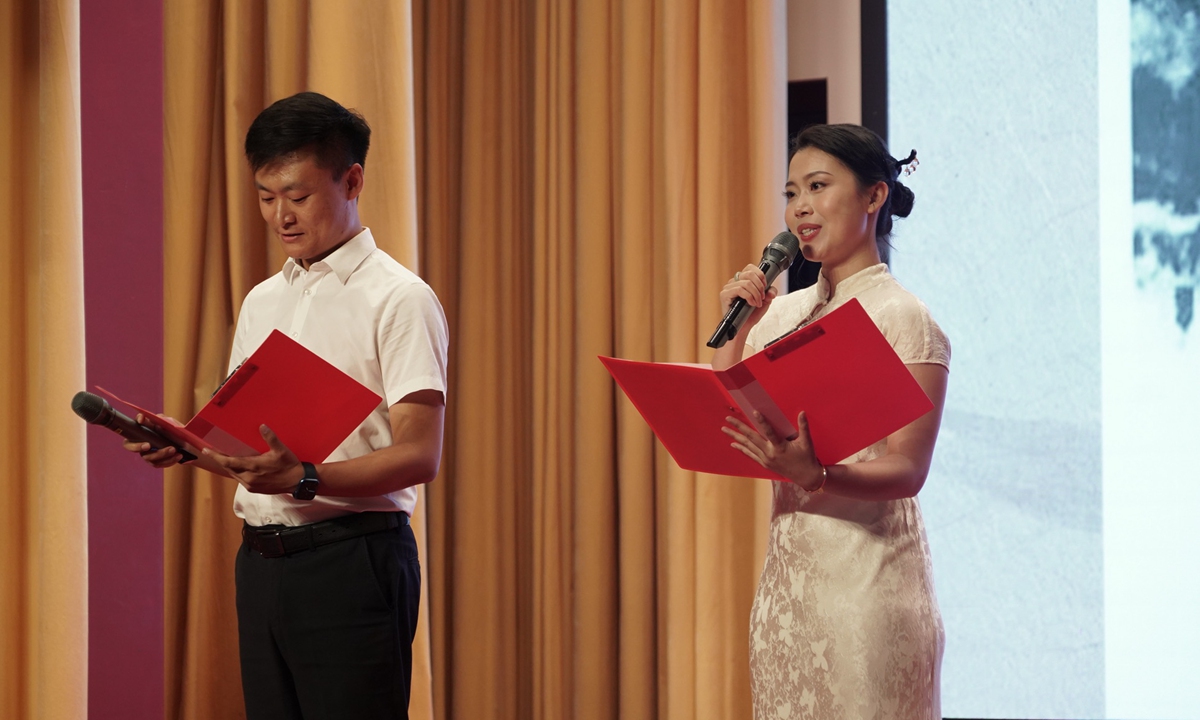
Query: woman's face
826, 210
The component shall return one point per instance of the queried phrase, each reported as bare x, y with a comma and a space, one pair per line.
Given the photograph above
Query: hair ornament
908, 164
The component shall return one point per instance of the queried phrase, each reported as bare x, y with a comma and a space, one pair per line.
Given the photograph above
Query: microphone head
782, 250
92, 408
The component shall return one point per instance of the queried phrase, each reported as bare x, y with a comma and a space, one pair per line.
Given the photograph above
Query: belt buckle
270, 545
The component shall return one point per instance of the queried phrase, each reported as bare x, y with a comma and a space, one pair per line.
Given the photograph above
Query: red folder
840, 370
310, 405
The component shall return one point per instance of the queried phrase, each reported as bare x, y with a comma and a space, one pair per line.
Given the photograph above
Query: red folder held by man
840, 370
309, 404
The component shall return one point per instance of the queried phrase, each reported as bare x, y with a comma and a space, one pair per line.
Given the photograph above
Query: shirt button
295, 334
308, 292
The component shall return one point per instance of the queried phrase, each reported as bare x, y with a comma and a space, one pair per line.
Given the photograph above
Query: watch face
307, 489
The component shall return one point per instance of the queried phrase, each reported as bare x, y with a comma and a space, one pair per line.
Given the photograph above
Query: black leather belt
272, 541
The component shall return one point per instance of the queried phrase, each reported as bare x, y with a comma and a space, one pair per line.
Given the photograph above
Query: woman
845, 623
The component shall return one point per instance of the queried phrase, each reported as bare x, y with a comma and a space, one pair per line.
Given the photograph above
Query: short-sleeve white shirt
372, 318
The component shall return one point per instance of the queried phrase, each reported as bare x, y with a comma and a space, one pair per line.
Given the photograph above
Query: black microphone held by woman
776, 258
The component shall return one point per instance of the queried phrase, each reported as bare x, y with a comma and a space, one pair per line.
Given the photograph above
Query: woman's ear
877, 196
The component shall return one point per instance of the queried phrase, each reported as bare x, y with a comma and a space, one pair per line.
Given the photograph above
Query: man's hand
274, 472
161, 458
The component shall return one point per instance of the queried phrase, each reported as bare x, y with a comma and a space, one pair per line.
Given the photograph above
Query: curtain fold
646, 145
437, 83
553, 319
484, 609
44, 571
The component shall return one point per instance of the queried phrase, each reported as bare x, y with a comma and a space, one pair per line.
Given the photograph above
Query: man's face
306, 208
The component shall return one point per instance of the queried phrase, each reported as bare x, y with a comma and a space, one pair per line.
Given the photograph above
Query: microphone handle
133, 431
738, 311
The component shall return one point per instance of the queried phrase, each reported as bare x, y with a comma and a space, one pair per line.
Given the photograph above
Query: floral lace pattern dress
845, 623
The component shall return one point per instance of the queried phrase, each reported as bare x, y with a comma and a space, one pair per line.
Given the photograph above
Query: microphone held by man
95, 410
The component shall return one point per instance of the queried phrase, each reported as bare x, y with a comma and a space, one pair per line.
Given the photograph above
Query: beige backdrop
43, 516
573, 179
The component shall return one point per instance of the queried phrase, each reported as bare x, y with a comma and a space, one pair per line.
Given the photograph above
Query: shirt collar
343, 261
862, 280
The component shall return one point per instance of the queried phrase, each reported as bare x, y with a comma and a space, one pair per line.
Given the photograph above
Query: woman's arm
899, 473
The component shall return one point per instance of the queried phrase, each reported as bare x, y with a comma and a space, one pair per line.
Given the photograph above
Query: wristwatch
307, 489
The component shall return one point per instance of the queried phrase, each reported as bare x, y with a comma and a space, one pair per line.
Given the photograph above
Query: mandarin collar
342, 261
862, 280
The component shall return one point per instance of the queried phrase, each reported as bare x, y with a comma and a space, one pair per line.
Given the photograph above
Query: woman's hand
794, 460
899, 473
750, 284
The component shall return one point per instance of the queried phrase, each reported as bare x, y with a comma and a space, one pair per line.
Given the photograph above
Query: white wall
824, 42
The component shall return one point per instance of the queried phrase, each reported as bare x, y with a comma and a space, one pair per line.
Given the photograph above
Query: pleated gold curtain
590, 174
43, 519
573, 179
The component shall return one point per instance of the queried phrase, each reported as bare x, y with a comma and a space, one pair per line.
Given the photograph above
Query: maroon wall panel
121, 113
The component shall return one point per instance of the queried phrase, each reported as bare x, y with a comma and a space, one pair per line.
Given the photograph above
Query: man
328, 582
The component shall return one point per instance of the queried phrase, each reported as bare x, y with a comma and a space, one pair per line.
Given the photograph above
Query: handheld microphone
777, 256
96, 411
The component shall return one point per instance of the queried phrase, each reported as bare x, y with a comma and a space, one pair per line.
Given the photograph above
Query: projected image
1001, 104
1165, 51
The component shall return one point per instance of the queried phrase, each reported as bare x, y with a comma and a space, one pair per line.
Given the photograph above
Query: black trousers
327, 633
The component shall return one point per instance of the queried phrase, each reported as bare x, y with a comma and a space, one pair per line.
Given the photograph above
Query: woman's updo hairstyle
864, 152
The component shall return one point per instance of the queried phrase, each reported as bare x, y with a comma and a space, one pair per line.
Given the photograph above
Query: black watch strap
307, 489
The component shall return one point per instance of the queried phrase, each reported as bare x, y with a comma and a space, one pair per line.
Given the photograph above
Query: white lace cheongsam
845, 624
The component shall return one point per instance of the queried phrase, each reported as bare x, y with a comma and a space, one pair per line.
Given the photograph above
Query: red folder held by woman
840, 370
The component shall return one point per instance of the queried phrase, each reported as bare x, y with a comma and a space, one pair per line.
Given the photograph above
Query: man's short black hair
308, 122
